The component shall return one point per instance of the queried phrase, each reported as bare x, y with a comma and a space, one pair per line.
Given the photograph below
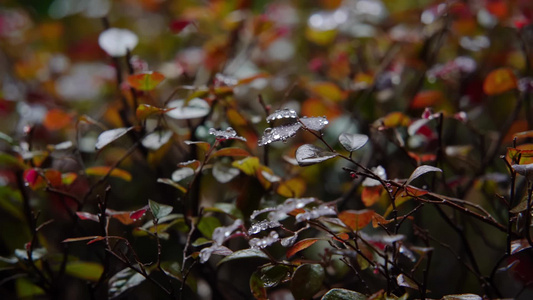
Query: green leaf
343, 294
271, 276
6, 138
246, 253
257, 286
159, 210
7, 160
421, 171
26, 289
307, 281
207, 225
11, 202
85, 270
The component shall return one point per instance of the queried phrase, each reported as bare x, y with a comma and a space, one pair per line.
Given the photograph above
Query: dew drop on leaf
314, 123
285, 113
280, 133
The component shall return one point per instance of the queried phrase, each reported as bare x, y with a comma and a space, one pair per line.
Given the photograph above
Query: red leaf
176, 26
136, 215
301, 245
87, 216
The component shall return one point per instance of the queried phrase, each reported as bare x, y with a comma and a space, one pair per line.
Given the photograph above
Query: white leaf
380, 172
405, 281
224, 173
214, 249
314, 123
181, 174
109, 136
352, 141
307, 155
285, 113
155, 140
524, 170
196, 108
421, 171
280, 133
116, 41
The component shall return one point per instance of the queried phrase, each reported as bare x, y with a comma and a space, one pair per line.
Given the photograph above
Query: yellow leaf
292, 188
499, 81
103, 170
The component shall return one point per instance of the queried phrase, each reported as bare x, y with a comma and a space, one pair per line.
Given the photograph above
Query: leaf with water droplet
227, 134
280, 133
222, 233
285, 113
314, 123
524, 170
421, 171
352, 141
315, 212
289, 241
109, 136
195, 108
308, 154
261, 243
206, 253
262, 225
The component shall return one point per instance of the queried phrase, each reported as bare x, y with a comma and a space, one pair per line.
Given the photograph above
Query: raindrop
220, 234
289, 241
227, 134
257, 243
262, 225
315, 123
285, 113
279, 133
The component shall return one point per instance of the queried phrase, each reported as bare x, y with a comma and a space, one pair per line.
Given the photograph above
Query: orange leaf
56, 119
231, 151
396, 119
356, 219
341, 237
327, 90
103, 170
145, 81
427, 98
53, 177
371, 194
301, 245
378, 219
144, 111
525, 152
316, 107
68, 178
252, 78
499, 81
292, 188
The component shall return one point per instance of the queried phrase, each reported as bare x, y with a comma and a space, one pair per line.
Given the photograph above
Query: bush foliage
357, 149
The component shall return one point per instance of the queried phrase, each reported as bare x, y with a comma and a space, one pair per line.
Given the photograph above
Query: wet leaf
271, 276
145, 81
104, 170
116, 42
308, 154
279, 114
56, 119
228, 134
356, 219
84, 270
217, 249
279, 133
421, 171
195, 108
136, 215
109, 136
257, 287
159, 210
301, 245
343, 294
307, 281
246, 253
314, 123
499, 81
352, 141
